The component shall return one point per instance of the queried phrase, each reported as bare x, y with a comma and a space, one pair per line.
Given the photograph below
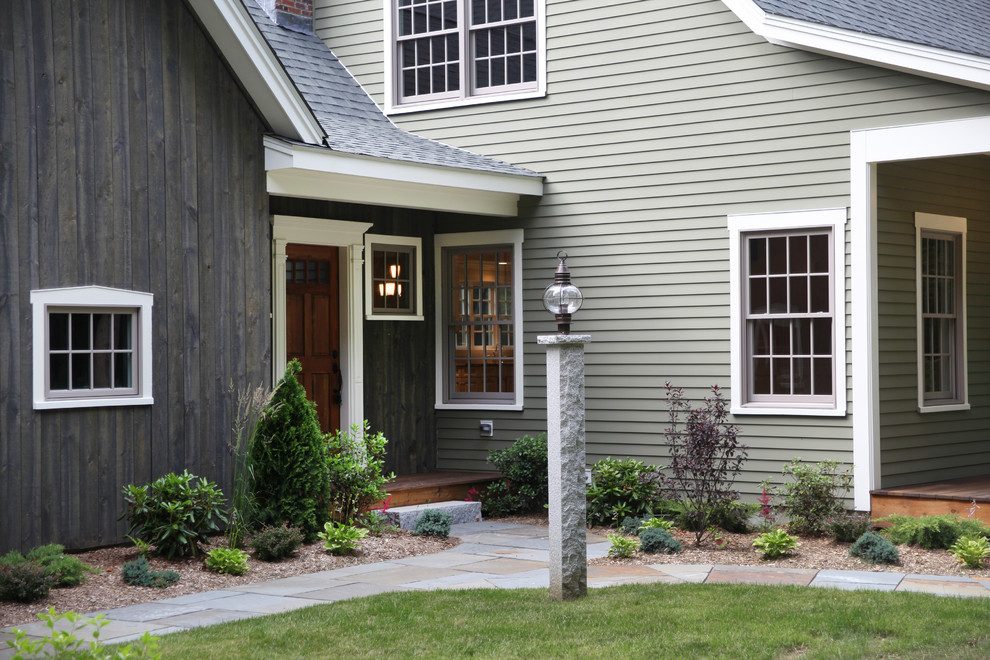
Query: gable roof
961, 26
943, 39
332, 142
350, 119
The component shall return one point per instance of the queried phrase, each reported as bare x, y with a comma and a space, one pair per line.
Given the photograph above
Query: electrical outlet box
486, 428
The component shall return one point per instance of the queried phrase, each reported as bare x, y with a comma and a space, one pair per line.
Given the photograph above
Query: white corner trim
256, 66
416, 243
91, 297
512, 237
868, 147
349, 237
891, 53
834, 219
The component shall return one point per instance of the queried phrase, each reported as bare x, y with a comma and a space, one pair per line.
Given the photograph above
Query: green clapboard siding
926, 447
660, 120
129, 158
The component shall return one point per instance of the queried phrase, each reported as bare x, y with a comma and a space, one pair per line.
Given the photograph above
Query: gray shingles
353, 123
961, 26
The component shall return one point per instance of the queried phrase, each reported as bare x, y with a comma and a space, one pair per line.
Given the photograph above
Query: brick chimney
294, 15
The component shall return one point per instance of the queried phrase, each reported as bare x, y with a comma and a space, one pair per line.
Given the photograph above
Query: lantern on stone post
565, 440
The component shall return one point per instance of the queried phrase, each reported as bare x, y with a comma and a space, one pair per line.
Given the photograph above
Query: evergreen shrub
875, 549
433, 523
23, 581
623, 488
525, 485
174, 513
933, 532
656, 540
137, 573
289, 455
275, 543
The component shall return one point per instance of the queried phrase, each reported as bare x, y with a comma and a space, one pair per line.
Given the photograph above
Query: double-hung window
92, 347
787, 304
941, 286
479, 322
455, 51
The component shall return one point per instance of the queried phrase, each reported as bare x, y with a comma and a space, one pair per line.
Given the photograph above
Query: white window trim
90, 297
957, 226
503, 237
416, 244
392, 96
834, 219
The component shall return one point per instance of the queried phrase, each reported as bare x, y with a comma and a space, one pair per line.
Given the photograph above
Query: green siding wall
924, 447
661, 118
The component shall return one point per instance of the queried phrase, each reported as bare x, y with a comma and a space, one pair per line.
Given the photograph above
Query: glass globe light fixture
562, 298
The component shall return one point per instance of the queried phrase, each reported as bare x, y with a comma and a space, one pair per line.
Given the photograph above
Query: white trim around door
349, 238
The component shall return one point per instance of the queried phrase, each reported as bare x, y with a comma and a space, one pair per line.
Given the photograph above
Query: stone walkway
492, 556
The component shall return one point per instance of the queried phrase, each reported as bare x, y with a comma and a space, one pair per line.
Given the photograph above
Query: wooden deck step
952, 496
427, 487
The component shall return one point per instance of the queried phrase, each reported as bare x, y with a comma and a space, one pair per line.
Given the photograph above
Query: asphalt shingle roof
352, 121
961, 26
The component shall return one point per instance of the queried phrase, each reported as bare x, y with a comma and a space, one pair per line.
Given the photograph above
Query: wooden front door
312, 317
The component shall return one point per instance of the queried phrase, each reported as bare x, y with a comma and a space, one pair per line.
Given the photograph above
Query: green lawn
634, 621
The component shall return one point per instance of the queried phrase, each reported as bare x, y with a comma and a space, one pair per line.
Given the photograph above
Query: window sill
413, 106
392, 317
478, 406
948, 407
807, 412
63, 404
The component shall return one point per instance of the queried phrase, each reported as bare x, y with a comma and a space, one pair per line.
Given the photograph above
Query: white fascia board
931, 62
321, 173
256, 66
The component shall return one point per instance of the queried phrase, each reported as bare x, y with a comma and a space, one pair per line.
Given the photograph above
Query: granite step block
405, 517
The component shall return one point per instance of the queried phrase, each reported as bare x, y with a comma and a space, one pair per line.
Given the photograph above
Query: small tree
706, 457
289, 455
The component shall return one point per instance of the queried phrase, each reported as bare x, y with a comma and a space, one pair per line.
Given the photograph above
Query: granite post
566, 461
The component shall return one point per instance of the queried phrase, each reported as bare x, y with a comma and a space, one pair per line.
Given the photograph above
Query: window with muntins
941, 311
91, 353
450, 50
480, 323
789, 319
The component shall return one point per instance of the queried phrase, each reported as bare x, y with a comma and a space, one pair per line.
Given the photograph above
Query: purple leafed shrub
706, 456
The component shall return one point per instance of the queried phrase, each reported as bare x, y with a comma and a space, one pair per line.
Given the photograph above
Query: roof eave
258, 70
300, 170
960, 68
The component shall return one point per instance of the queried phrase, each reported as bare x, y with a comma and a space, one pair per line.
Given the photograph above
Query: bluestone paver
492, 556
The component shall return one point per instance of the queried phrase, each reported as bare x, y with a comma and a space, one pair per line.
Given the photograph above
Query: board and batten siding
661, 118
930, 446
129, 158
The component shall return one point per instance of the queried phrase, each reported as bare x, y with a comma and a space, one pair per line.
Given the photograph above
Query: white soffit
931, 62
258, 69
298, 170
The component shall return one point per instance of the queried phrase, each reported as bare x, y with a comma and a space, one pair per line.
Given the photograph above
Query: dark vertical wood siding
129, 158
399, 356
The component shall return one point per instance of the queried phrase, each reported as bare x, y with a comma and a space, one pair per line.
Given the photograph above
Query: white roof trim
256, 66
937, 63
301, 170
